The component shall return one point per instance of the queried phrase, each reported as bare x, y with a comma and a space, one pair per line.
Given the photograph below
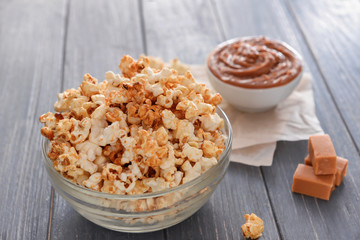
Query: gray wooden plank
30, 48
68, 224
189, 30
240, 192
316, 218
99, 34
186, 30
332, 31
307, 217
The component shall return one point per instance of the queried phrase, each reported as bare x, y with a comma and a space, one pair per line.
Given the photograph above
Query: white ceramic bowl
251, 99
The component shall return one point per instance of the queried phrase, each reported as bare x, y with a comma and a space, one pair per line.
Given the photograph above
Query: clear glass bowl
143, 212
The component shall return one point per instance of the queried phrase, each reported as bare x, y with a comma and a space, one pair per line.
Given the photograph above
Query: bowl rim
197, 180
232, 40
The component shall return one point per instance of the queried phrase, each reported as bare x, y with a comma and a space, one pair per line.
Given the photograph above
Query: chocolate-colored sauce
255, 62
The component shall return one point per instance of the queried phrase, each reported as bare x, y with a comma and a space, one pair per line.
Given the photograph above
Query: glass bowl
142, 212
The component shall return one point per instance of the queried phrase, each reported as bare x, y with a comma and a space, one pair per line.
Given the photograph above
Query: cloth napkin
255, 134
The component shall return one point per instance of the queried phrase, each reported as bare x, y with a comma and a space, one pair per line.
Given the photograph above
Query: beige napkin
255, 134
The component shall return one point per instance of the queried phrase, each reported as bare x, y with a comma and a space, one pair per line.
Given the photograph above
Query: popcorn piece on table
253, 227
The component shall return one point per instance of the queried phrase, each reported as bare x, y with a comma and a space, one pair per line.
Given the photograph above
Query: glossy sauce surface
254, 62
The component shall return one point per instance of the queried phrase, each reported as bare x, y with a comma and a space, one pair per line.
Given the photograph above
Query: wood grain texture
99, 34
68, 224
30, 48
40, 46
337, 218
180, 29
333, 32
188, 30
240, 192
276, 21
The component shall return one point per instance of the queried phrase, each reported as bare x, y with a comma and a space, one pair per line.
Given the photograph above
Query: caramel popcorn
253, 227
148, 129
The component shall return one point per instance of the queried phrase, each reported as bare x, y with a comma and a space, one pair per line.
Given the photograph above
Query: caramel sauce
254, 62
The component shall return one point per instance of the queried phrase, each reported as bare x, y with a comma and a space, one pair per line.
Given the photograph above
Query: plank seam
142, 26
271, 204
165, 234
223, 35
66, 28
62, 76
51, 212
291, 11
218, 20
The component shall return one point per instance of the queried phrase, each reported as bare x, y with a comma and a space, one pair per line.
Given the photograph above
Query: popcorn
207, 163
99, 112
189, 107
151, 128
253, 227
111, 172
211, 122
71, 100
67, 161
192, 153
98, 99
165, 101
62, 130
209, 148
161, 136
156, 89
191, 172
156, 184
178, 66
155, 63
49, 120
101, 161
130, 68
81, 130
93, 181
139, 188
109, 187
57, 148
47, 132
88, 150
185, 131
129, 145
169, 119
177, 177
89, 86
77, 173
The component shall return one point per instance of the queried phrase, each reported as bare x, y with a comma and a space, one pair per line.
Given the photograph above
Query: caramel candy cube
307, 160
341, 168
322, 154
307, 183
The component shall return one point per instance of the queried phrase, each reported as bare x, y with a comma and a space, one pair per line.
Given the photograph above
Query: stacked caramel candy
322, 170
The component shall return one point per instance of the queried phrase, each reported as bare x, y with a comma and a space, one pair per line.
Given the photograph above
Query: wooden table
46, 47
